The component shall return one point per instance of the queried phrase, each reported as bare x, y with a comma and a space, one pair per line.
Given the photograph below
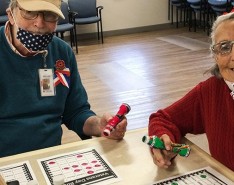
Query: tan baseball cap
42, 5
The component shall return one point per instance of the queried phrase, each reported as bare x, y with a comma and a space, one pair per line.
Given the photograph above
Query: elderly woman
207, 108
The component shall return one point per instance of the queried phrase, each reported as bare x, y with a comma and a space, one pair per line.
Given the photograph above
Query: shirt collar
230, 85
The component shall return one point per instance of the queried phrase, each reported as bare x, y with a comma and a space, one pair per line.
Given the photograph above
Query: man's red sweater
207, 108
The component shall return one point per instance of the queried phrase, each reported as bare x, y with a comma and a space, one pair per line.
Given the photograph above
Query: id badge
46, 82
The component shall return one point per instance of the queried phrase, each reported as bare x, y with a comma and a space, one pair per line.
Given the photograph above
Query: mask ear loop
17, 27
13, 17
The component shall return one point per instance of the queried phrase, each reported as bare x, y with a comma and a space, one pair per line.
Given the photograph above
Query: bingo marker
123, 110
155, 142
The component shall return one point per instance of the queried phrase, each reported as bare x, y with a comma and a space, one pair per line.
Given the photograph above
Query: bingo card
202, 176
19, 171
81, 167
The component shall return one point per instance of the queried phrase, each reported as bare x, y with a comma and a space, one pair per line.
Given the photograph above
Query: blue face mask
34, 42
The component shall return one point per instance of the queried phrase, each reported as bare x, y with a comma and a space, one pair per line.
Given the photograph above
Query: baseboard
137, 30
122, 31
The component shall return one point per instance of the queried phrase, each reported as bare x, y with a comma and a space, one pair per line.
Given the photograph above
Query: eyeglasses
223, 47
31, 15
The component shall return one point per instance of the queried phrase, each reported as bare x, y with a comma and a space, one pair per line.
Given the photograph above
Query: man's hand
119, 131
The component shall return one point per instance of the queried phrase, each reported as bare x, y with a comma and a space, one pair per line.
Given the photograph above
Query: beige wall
126, 14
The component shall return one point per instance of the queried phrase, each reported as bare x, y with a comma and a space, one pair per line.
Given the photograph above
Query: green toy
155, 142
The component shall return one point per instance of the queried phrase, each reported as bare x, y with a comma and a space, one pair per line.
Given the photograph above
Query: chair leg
62, 36
172, 14
75, 38
204, 21
71, 38
73, 35
208, 21
169, 4
195, 21
98, 32
190, 18
177, 17
185, 14
101, 31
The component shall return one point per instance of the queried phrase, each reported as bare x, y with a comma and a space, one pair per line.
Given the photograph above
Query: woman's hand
163, 158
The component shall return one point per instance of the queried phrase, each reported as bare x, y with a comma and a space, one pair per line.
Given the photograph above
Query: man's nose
39, 21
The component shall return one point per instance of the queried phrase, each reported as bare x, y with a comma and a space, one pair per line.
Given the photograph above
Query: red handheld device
123, 110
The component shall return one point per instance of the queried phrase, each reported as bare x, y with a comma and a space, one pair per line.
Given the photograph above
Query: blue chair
220, 6
181, 7
66, 24
3, 15
86, 12
198, 8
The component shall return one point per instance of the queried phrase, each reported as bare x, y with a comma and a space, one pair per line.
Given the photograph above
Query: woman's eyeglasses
47, 15
223, 47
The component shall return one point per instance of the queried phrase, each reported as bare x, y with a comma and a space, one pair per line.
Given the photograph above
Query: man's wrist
92, 126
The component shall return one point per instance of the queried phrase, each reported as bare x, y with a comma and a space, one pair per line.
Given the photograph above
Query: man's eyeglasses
223, 47
47, 15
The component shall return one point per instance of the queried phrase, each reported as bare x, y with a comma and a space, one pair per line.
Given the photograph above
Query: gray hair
13, 4
227, 17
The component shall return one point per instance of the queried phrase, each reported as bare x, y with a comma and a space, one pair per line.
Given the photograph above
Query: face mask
34, 42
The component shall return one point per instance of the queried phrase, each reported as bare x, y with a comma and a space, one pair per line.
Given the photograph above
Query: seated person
40, 87
207, 108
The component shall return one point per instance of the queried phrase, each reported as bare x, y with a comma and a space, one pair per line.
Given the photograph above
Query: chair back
220, 6
84, 8
65, 11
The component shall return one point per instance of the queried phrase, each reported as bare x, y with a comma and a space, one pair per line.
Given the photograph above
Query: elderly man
40, 87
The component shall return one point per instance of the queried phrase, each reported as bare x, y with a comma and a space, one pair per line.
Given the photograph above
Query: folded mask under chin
34, 42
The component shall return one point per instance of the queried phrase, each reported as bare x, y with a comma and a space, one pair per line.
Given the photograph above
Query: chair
220, 6
64, 25
217, 8
86, 12
3, 15
200, 10
181, 5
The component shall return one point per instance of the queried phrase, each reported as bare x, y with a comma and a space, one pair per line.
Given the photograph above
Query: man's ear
10, 16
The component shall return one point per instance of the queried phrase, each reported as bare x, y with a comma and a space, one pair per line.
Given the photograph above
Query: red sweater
207, 108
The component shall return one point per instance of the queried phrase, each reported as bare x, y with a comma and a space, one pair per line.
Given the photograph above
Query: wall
128, 14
